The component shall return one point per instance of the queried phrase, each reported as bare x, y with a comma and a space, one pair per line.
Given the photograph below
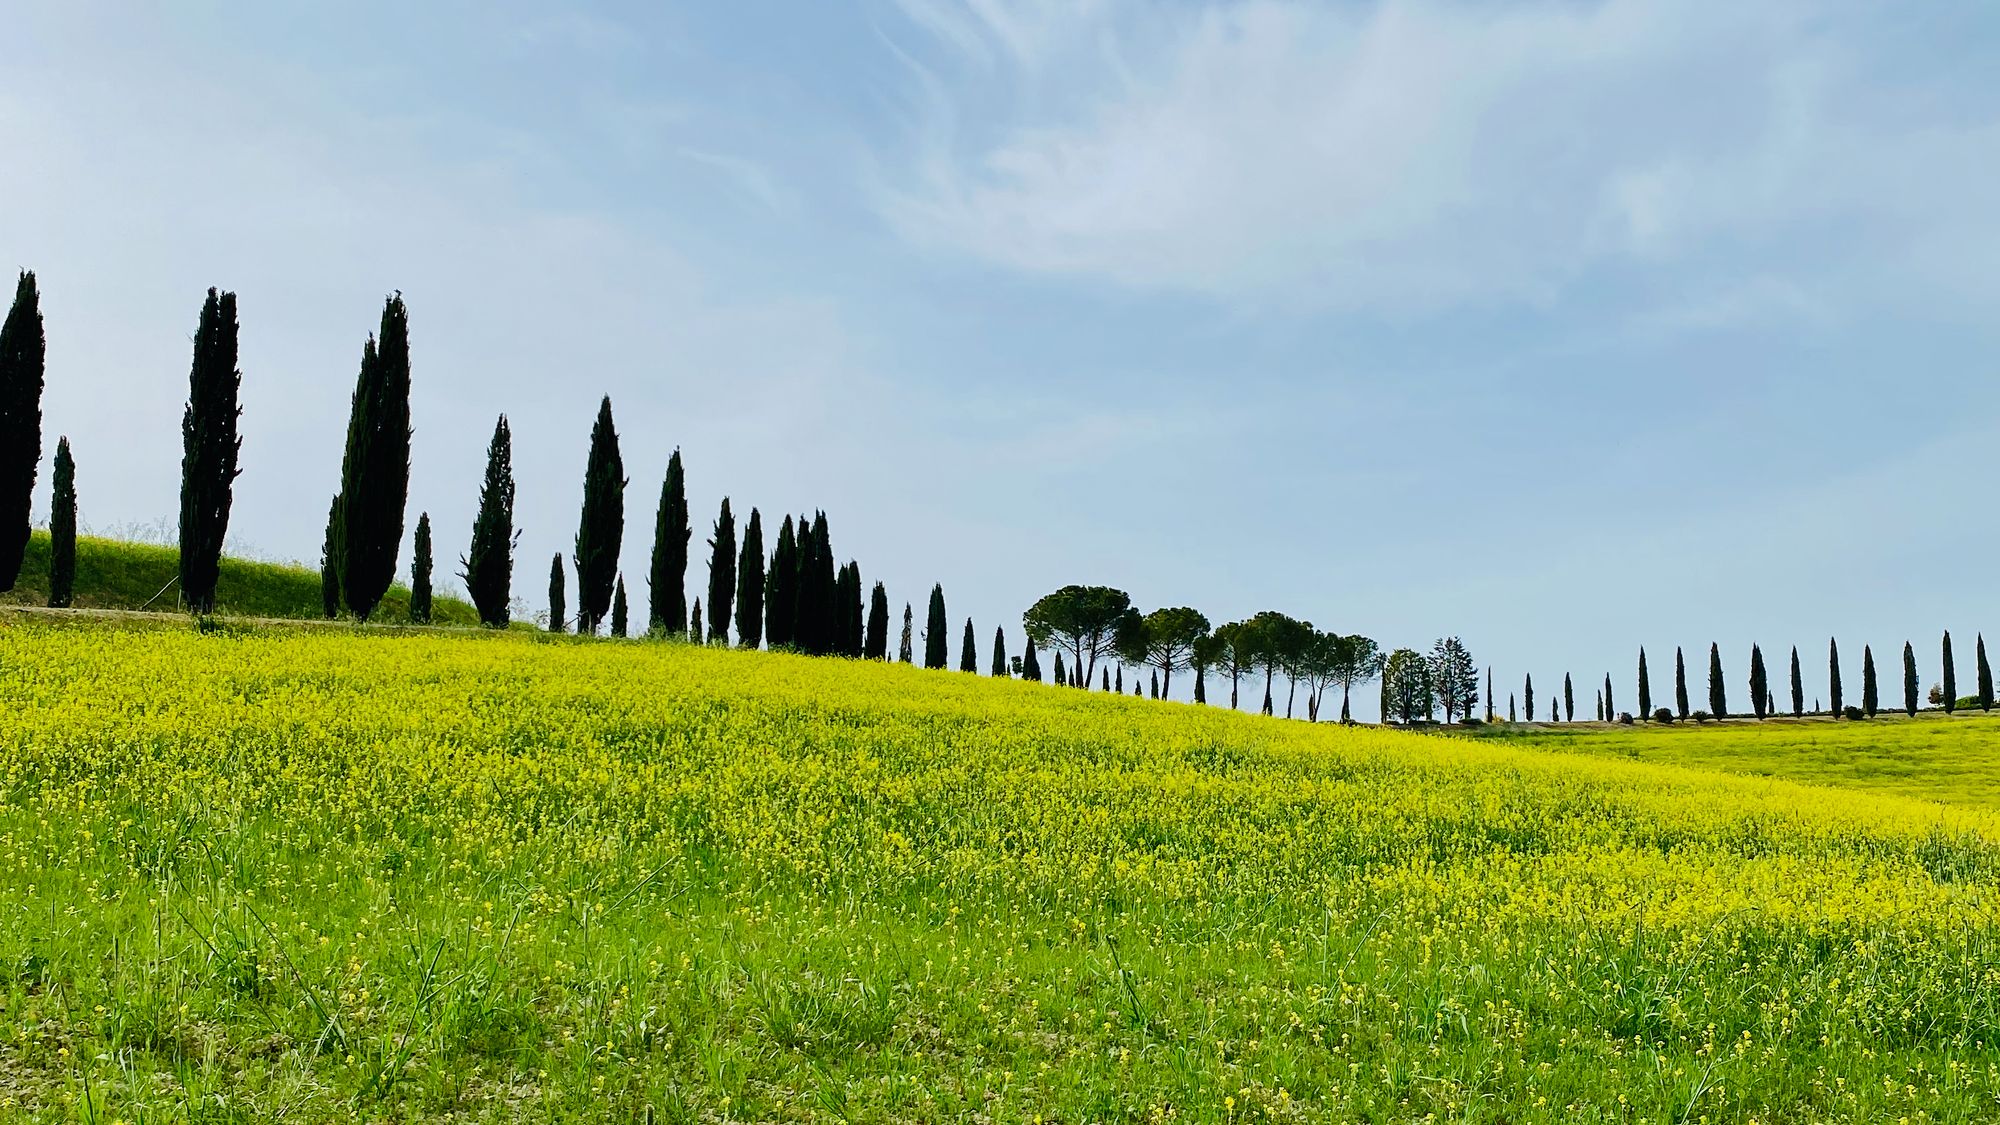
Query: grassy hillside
1933, 756
333, 876
115, 575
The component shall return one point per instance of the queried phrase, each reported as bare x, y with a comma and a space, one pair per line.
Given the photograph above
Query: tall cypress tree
1569, 699
750, 584
999, 651
905, 650
694, 623
558, 611
1798, 687
23, 360
62, 529
937, 643
875, 646
667, 581
620, 612
1718, 695
1833, 676
1062, 674
329, 563
375, 470
825, 607
1031, 664
209, 447
781, 588
1680, 685
805, 586
1760, 684
1985, 677
1600, 705
1645, 688
721, 574
487, 568
600, 526
846, 591
1527, 696
857, 622
1871, 699
420, 572
1950, 683
1610, 708
1909, 680
968, 652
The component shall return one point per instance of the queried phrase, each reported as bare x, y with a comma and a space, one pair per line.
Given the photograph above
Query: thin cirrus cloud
1413, 155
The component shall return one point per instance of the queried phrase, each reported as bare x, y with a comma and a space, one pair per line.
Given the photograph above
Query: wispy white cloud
750, 177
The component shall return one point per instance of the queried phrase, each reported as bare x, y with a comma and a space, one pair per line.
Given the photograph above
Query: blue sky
1566, 327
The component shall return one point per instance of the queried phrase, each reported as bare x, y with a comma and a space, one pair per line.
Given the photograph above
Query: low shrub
1663, 715
1853, 714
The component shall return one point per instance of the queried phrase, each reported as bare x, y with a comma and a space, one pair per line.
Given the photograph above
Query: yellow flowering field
334, 876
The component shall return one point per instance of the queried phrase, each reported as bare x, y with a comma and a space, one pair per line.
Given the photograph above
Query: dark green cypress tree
600, 526
1760, 684
1985, 677
825, 607
857, 617
1569, 699
905, 648
875, 646
420, 572
23, 361
329, 563
1833, 676
968, 652
1600, 706
721, 574
1031, 663
488, 567
937, 642
375, 470
1645, 688
781, 589
1950, 683
999, 652
1871, 699
1909, 680
620, 620
209, 446
694, 623
1105, 686
1062, 674
1527, 696
62, 529
1718, 695
1610, 708
846, 591
667, 596
1798, 687
750, 584
1680, 685
1153, 688
558, 610
805, 584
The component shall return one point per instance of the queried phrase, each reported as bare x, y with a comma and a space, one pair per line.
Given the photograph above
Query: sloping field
334, 876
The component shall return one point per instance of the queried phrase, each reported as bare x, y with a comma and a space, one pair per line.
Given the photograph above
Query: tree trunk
1345, 715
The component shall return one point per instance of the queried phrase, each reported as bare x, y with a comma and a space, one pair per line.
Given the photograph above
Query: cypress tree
1600, 706
558, 611
936, 642
721, 575
847, 640
600, 527
816, 607
1527, 695
1871, 699
1985, 677
1610, 708
999, 651
375, 470
1105, 686
1909, 680
805, 587
750, 584
208, 450
1553, 717
1645, 688
781, 588
1680, 685
694, 623
905, 652
875, 645
968, 654
1833, 676
1154, 687
1119, 683
329, 563
1950, 684
667, 596
488, 567
23, 360
1718, 696
620, 623
857, 617
1510, 708
1798, 687
1031, 664
420, 572
1760, 684
1062, 676
62, 528
1569, 700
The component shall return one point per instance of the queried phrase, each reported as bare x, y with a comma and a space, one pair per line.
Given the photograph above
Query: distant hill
112, 574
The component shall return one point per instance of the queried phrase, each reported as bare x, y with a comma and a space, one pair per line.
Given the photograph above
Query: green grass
1932, 756
111, 574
